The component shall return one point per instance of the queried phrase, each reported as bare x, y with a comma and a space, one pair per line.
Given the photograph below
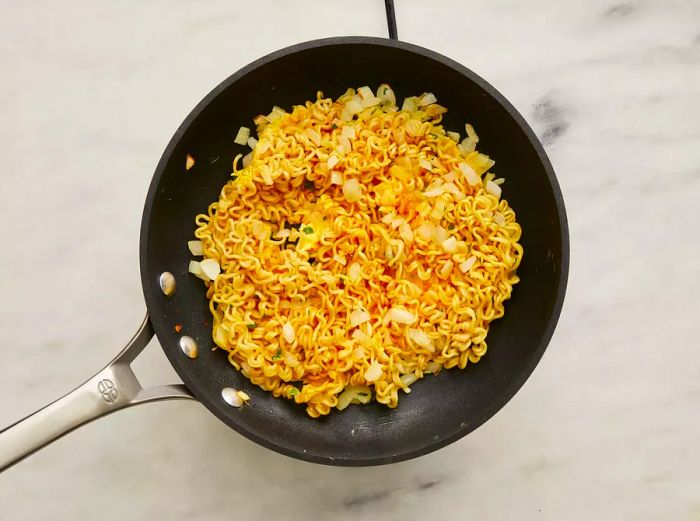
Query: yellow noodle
306, 281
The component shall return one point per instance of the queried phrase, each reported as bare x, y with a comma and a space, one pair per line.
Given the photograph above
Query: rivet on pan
188, 346
167, 283
230, 396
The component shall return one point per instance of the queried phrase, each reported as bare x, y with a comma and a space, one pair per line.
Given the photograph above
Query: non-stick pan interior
441, 408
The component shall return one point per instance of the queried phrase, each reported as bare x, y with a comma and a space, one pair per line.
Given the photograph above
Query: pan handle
113, 388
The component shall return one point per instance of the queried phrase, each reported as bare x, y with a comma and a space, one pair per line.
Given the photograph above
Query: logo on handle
109, 391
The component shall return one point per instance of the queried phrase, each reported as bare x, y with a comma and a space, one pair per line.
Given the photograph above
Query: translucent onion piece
400, 316
374, 372
242, 136
196, 247
288, 332
211, 268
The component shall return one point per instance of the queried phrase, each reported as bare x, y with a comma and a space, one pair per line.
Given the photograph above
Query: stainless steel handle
113, 388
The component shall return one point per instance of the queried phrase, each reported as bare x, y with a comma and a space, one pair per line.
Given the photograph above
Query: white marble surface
606, 428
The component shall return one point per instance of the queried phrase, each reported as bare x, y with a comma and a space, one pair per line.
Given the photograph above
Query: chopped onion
493, 189
252, 142
427, 99
263, 147
337, 178
348, 132
359, 316
451, 188
440, 234
242, 136
499, 181
469, 174
290, 360
195, 269
275, 114
345, 398
354, 272
243, 396
370, 102
345, 143
314, 136
374, 372
399, 315
288, 332
424, 163
189, 162
283, 233
339, 259
420, 337
365, 92
454, 136
386, 95
446, 269
426, 230
408, 379
352, 190
450, 177
353, 107
332, 161
231, 397
388, 218
196, 247
499, 219
409, 105
358, 334
471, 134
467, 264
362, 394
247, 159
406, 232
398, 221
211, 268
433, 367
467, 146
449, 245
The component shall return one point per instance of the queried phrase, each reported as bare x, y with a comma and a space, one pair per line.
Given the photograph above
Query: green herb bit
251, 326
278, 354
307, 229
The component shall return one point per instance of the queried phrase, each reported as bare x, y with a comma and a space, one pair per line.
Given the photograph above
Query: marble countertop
606, 428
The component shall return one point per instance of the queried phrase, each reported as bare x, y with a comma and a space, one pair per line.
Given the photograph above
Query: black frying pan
441, 409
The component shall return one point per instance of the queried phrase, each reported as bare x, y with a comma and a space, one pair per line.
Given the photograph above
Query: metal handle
113, 388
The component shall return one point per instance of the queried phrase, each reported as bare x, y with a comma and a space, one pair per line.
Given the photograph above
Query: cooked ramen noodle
358, 247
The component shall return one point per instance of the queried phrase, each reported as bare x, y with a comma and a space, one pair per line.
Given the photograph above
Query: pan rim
151, 289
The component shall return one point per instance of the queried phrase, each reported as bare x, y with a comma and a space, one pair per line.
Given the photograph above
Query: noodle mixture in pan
358, 247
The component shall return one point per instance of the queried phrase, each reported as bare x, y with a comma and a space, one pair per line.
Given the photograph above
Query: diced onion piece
438, 210
398, 221
283, 233
370, 102
196, 247
247, 159
451, 188
454, 136
467, 264
440, 235
424, 163
345, 398
434, 190
406, 232
362, 394
427, 99
358, 334
243, 396
467, 146
409, 105
231, 397
261, 231
275, 114
290, 360
352, 190
446, 269
388, 218
408, 379
450, 177
353, 106
374, 372
354, 272
469, 174
211, 268
471, 134
433, 367
242, 136
345, 143
332, 161
252, 142
493, 189
399, 315
263, 147
386, 95
189, 162
449, 245
499, 219
348, 132
420, 337
359, 316
365, 92
314, 136
339, 259
337, 178
195, 268
288, 332
499, 181
426, 230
